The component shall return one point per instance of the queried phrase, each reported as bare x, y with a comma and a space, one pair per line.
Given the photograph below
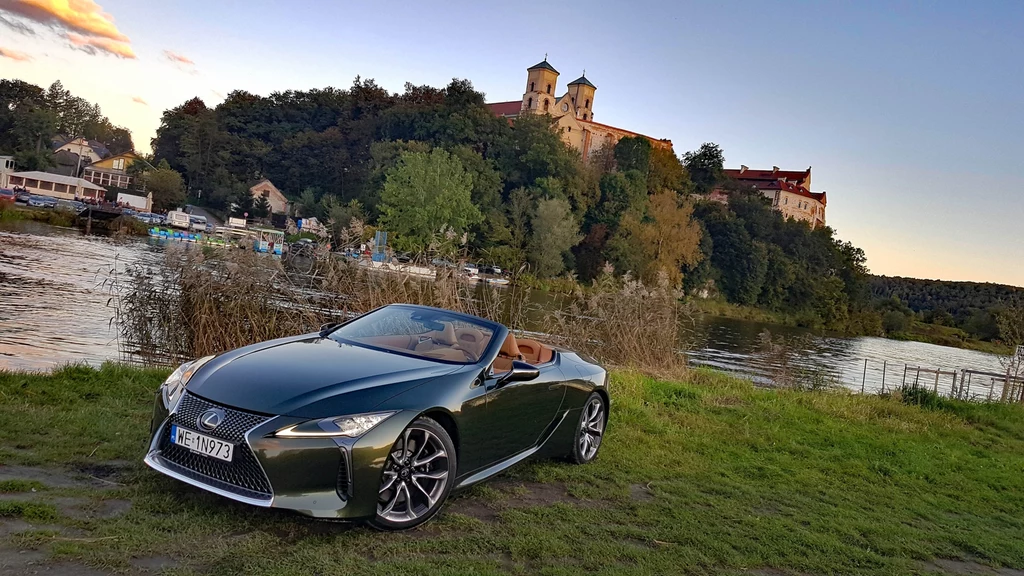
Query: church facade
573, 110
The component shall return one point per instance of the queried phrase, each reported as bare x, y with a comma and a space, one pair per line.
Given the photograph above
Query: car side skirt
508, 463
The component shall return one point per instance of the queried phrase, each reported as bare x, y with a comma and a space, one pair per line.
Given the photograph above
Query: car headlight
348, 426
174, 387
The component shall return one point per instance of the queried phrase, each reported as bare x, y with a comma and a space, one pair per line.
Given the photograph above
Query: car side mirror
325, 329
520, 372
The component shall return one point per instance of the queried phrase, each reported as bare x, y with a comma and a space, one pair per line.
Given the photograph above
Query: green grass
949, 336
704, 476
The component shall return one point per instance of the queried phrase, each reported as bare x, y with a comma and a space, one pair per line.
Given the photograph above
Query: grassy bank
949, 336
917, 331
704, 476
10, 213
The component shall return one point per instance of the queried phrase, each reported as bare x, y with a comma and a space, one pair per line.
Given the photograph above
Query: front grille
343, 480
243, 475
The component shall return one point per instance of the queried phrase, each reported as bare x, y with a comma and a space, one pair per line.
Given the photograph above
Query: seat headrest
447, 335
509, 348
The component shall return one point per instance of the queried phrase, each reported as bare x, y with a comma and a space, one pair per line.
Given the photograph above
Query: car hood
307, 375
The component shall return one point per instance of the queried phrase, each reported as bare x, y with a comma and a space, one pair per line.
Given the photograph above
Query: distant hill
957, 298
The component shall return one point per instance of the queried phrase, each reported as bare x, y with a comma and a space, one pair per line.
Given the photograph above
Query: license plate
201, 443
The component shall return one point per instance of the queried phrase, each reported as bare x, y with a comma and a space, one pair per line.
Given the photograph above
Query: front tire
417, 477
589, 430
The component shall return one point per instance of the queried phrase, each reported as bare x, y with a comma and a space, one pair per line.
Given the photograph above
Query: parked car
38, 201
197, 223
403, 257
70, 205
360, 420
8, 195
491, 269
442, 263
302, 247
23, 197
470, 268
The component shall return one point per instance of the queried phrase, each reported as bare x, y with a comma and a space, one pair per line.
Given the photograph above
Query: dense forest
444, 175
973, 307
31, 117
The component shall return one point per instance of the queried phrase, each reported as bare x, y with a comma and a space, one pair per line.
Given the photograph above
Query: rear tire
589, 430
418, 475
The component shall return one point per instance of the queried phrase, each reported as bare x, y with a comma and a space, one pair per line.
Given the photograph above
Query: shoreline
918, 331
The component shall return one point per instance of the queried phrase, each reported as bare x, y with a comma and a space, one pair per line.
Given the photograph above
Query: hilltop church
574, 110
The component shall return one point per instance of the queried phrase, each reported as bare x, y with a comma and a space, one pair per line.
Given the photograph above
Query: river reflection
53, 310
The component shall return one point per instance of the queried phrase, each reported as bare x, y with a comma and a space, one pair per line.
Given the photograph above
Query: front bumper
334, 478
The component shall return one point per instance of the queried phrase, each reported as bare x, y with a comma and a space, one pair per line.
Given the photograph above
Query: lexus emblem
210, 419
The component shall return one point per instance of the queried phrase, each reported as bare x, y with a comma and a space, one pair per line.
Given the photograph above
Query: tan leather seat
438, 338
534, 352
509, 352
472, 340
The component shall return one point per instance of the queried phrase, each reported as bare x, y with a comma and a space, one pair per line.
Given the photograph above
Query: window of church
531, 86
529, 103
584, 116
587, 105
545, 105
549, 88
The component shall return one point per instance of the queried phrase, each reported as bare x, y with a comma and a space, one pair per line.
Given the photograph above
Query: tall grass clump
624, 322
199, 302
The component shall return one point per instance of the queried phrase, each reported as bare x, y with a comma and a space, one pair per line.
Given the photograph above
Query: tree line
30, 117
982, 310
441, 173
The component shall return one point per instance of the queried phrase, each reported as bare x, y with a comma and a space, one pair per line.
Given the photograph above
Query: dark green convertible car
378, 418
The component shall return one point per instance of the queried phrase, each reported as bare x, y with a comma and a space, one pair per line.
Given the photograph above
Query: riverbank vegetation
700, 475
10, 212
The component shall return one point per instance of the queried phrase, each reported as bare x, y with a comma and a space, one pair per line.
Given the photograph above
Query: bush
894, 322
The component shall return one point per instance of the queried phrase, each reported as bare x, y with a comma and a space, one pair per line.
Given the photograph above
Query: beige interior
529, 351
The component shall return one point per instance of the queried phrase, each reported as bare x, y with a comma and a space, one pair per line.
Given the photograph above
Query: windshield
422, 332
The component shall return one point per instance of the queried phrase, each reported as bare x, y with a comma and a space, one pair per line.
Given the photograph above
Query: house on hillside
112, 171
57, 186
789, 191
71, 155
574, 110
266, 189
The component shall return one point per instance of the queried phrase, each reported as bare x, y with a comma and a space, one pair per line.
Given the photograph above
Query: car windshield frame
441, 315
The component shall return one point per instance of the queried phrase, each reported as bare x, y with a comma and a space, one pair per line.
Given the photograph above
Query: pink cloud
81, 22
14, 55
83, 16
178, 58
93, 44
139, 100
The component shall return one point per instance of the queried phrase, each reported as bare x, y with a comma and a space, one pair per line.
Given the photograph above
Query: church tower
582, 93
541, 80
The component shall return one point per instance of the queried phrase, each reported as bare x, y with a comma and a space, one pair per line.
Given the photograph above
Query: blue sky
909, 112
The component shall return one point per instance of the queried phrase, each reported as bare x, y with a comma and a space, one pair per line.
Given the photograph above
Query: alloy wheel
415, 476
591, 429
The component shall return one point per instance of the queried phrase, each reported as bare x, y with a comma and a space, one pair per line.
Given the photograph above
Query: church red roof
511, 108
798, 176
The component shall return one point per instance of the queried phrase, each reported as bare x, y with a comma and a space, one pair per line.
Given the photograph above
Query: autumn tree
427, 196
662, 243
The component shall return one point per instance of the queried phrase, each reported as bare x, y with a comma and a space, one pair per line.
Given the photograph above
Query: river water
54, 293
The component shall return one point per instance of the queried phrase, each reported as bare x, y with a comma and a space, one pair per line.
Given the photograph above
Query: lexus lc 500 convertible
378, 418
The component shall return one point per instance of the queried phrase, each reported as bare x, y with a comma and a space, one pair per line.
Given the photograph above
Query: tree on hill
555, 232
427, 196
705, 167
166, 186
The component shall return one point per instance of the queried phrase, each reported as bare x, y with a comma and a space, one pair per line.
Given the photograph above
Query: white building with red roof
574, 110
789, 191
